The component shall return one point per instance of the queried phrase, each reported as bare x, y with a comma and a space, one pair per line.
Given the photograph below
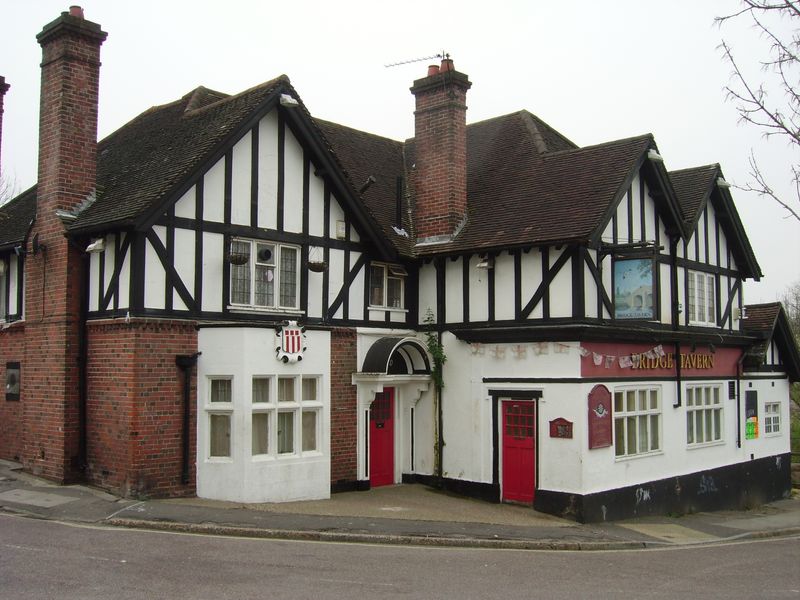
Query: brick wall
12, 349
440, 137
344, 407
135, 406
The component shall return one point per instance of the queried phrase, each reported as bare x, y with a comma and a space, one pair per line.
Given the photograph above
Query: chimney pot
76, 11
447, 65
433, 70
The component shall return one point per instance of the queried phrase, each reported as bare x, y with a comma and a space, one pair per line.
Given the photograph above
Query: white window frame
296, 407
390, 272
624, 418
772, 419
701, 293
216, 408
275, 264
705, 407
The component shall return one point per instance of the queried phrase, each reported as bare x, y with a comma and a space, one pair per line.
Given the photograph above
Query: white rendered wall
242, 353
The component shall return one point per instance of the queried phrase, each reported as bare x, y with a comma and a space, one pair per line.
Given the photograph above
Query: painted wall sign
292, 343
633, 289
610, 360
751, 415
561, 428
600, 418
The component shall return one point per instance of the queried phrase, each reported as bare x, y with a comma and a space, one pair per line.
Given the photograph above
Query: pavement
400, 514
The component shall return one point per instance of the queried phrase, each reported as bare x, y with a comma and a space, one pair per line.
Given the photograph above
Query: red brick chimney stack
440, 132
67, 173
3, 89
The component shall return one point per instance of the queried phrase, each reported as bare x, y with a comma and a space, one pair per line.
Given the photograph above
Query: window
637, 421
12, 380
772, 418
293, 414
267, 275
219, 417
386, 285
701, 296
703, 414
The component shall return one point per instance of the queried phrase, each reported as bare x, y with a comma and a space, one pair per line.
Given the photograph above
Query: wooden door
381, 439
519, 455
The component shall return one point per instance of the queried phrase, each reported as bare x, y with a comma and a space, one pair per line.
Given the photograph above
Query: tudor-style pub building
230, 298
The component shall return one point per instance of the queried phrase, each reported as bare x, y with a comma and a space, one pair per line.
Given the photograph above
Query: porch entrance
381, 439
519, 453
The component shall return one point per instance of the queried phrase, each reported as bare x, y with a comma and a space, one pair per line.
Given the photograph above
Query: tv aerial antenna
441, 54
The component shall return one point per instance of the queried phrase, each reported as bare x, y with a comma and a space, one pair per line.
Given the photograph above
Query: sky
594, 70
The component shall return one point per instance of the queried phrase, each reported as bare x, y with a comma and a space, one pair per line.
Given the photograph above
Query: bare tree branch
776, 115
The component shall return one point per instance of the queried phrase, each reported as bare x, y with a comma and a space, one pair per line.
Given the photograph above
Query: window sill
237, 308
219, 460
387, 308
640, 455
701, 445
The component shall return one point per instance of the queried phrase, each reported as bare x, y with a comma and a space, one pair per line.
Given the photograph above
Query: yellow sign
688, 361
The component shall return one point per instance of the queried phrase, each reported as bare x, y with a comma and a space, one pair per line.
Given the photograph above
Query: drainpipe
185, 362
440, 441
83, 359
739, 367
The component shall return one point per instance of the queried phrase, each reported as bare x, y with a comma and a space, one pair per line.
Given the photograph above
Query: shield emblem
292, 343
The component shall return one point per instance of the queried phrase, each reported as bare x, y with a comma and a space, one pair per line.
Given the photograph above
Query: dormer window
268, 278
386, 286
701, 294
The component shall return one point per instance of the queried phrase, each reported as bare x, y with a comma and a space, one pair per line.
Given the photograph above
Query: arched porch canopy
396, 356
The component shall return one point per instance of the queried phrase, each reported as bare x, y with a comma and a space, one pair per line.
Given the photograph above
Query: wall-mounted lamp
653, 155
20, 250
739, 313
486, 263
96, 246
722, 183
288, 101
712, 348
36, 245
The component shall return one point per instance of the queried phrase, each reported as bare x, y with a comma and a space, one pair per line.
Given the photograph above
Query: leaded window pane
288, 284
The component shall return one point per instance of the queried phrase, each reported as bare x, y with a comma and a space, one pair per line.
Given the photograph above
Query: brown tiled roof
519, 192
769, 323
16, 217
363, 155
761, 318
145, 159
693, 187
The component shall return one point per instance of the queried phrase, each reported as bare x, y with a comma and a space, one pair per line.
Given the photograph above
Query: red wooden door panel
519, 455
381, 439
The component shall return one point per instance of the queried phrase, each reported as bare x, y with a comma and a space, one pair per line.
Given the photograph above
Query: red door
519, 462
381, 439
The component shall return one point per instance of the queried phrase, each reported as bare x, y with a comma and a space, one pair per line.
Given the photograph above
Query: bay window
292, 412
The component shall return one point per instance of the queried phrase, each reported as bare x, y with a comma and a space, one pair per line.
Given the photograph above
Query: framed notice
600, 418
633, 289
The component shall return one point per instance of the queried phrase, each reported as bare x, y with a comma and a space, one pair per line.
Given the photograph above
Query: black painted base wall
473, 489
736, 487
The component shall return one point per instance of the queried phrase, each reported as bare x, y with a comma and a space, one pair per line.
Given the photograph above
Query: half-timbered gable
715, 257
249, 304
268, 189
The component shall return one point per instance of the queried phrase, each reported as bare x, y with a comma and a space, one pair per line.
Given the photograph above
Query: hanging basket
317, 266
237, 258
